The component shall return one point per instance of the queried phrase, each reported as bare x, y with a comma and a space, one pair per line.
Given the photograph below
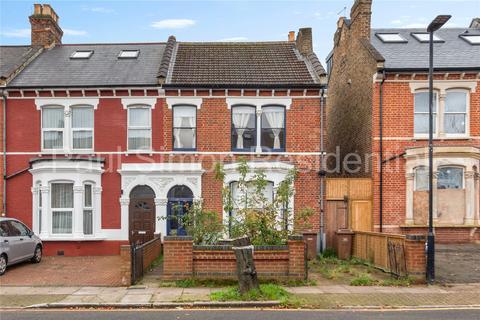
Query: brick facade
110, 142
358, 84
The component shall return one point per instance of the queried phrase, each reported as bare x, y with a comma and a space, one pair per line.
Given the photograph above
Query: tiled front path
66, 271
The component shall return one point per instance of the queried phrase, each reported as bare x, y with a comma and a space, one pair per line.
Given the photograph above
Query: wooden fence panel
374, 247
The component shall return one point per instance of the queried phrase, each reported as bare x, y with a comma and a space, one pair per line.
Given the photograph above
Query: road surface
464, 314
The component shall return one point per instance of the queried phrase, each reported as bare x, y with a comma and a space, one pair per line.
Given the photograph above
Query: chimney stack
291, 36
304, 41
360, 16
45, 29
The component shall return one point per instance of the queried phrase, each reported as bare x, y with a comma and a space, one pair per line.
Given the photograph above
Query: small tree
203, 225
252, 213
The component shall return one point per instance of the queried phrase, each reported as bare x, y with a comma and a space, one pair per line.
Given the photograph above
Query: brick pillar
126, 267
297, 268
415, 256
177, 257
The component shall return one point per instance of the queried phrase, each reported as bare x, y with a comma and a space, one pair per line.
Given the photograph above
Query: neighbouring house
105, 140
12, 60
377, 108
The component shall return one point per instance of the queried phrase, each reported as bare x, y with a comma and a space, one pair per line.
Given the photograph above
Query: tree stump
246, 272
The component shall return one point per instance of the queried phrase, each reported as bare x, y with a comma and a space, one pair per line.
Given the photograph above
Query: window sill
440, 226
424, 138
72, 238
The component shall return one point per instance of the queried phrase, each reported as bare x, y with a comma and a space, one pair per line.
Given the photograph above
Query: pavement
446, 314
337, 296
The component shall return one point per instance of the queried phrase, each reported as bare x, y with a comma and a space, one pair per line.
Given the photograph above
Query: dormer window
391, 37
128, 54
471, 38
82, 54
425, 37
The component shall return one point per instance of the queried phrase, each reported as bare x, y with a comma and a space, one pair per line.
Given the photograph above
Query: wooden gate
349, 206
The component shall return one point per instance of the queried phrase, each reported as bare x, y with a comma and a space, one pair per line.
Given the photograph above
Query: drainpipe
381, 148
321, 237
4, 145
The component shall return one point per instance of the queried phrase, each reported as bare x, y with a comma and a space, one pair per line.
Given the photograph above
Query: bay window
244, 128
273, 128
184, 127
139, 128
455, 112
82, 128
62, 207
53, 127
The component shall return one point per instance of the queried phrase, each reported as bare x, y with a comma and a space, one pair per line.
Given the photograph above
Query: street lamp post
436, 24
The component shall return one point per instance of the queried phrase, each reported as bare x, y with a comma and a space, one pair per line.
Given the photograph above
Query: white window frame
436, 114
63, 130
52, 210
452, 166
72, 129
90, 208
139, 106
467, 114
415, 170
176, 107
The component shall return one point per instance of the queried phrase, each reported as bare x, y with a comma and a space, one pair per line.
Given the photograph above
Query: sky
227, 20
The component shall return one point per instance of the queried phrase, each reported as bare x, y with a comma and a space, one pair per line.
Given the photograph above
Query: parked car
17, 243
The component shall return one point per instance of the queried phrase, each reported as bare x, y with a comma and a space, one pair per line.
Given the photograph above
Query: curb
158, 305
454, 306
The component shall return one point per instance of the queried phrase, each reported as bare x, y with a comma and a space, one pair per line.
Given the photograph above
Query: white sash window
184, 127
53, 127
139, 128
62, 208
82, 128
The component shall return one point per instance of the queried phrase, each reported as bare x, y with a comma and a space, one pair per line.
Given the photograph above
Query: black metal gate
137, 262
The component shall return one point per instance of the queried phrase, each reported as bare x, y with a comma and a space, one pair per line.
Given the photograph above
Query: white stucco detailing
172, 101
259, 102
443, 85
66, 102
139, 101
161, 177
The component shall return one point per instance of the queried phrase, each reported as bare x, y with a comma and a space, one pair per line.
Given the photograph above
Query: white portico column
161, 216
78, 211
259, 129
124, 227
477, 197
409, 198
469, 197
97, 213
46, 214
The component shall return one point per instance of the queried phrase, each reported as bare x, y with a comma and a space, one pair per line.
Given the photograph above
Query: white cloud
414, 25
234, 39
98, 9
396, 22
173, 23
16, 33
72, 32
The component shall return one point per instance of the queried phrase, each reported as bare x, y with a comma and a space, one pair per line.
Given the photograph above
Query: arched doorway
180, 198
141, 215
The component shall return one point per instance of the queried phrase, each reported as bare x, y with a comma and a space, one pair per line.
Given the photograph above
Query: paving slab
136, 298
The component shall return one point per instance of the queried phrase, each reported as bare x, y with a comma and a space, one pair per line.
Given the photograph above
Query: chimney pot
291, 36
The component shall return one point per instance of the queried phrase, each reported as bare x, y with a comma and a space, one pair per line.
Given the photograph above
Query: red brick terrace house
378, 103
103, 138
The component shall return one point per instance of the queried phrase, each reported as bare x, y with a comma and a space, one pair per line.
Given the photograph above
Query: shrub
362, 280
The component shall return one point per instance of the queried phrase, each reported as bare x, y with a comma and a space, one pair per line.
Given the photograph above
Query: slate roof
453, 54
242, 64
54, 68
13, 57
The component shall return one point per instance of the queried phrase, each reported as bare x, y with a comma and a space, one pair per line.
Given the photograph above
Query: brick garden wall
183, 260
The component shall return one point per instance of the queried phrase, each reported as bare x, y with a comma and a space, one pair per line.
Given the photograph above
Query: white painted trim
194, 101
226, 153
259, 102
139, 101
66, 102
443, 85
139, 106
